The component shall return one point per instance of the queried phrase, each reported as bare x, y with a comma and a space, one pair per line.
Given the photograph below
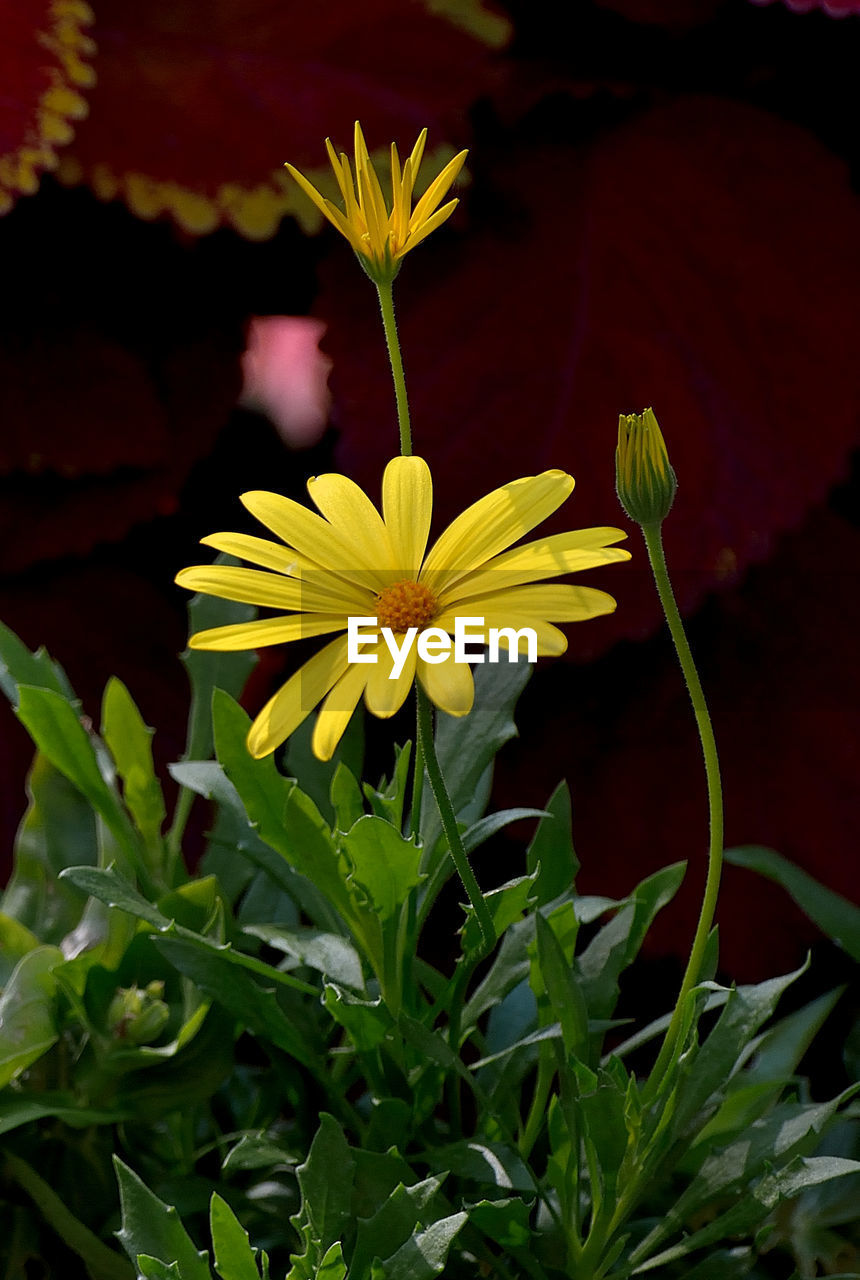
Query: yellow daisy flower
381, 237
350, 561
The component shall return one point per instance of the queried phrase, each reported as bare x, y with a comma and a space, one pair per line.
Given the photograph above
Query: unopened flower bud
644, 479
138, 1016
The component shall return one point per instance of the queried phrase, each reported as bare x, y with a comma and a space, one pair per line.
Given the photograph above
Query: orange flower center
405, 604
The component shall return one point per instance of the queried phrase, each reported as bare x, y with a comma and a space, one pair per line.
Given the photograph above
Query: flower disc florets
405, 604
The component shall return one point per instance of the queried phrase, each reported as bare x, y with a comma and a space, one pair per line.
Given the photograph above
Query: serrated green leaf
712, 1066
346, 798
332, 1266
504, 1221
367, 1021
129, 741
151, 1227
385, 864
154, 1269
59, 829
210, 670
326, 1181
106, 884
490, 1164
234, 1257
315, 776
466, 746
28, 1024
834, 915
222, 976
562, 989
552, 849
392, 1225
388, 800
55, 726
18, 666
506, 905
284, 816
329, 953
424, 1255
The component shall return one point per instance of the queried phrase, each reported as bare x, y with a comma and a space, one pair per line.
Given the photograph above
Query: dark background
662, 209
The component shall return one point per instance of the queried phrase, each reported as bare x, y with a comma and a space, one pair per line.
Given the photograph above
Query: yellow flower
351, 562
379, 236
644, 479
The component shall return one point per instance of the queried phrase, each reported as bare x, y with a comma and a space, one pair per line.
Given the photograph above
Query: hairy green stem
389, 324
654, 545
449, 821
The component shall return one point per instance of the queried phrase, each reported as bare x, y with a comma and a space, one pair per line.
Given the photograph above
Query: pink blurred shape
286, 376
835, 8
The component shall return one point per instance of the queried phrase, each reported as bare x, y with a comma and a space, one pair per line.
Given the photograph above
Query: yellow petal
271, 555
251, 586
448, 684
551, 601
283, 713
307, 532
336, 712
415, 237
407, 505
550, 641
351, 514
326, 208
403, 204
266, 631
545, 558
384, 696
418, 152
335, 163
492, 524
375, 216
435, 193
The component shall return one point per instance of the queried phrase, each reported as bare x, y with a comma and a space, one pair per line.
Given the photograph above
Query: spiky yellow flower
644, 478
381, 236
351, 562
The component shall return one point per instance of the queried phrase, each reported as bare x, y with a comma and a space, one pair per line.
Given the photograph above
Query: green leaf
367, 1021
154, 1269
285, 818
151, 1227
712, 1065
391, 1225
234, 1257
757, 1202
466, 746
315, 776
55, 727
15, 941
235, 835
491, 1164
208, 671
424, 1255
552, 849
18, 666
562, 989
130, 743
19, 1108
257, 1151
332, 1266
59, 829
504, 1221
101, 1262
506, 905
385, 864
388, 800
834, 915
28, 1025
615, 946
346, 798
329, 953
325, 1181
286, 1022
106, 884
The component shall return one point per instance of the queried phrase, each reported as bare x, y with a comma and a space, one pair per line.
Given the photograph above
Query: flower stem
449, 821
389, 324
652, 533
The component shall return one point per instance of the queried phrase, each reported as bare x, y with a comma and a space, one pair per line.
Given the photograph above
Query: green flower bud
644, 479
136, 1016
